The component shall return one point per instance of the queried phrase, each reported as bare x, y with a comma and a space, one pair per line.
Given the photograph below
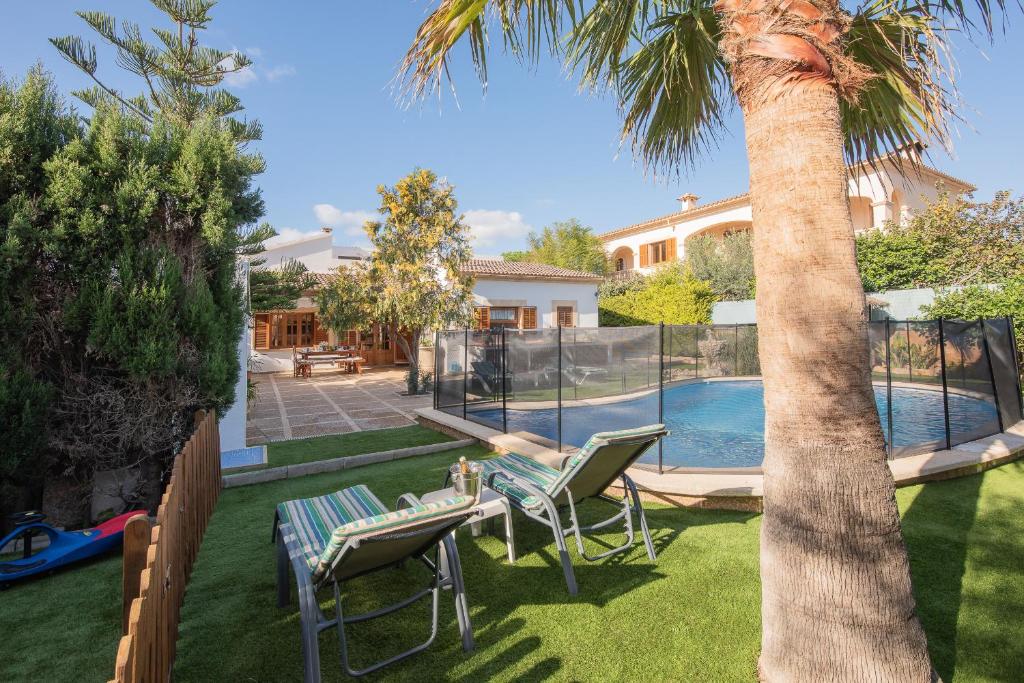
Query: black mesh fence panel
918, 412
531, 362
558, 387
1003, 356
971, 394
609, 379
484, 385
879, 359
718, 351
450, 362
680, 352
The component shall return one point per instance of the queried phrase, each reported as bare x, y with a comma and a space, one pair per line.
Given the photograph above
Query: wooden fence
158, 562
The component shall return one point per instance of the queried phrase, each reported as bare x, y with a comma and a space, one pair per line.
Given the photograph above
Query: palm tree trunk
837, 601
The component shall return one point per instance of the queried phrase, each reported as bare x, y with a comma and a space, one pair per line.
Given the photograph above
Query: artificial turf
280, 453
692, 615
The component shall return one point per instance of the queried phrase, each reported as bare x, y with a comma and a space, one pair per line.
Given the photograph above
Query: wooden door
261, 332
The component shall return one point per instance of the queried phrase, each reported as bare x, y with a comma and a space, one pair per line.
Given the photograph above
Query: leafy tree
277, 290
35, 123
953, 241
179, 73
346, 302
516, 255
566, 244
414, 280
896, 259
671, 295
813, 79
973, 241
120, 242
726, 263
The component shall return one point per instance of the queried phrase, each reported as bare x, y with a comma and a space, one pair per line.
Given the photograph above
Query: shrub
671, 295
727, 264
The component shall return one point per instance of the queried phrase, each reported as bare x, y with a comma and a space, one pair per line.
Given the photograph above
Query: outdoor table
492, 504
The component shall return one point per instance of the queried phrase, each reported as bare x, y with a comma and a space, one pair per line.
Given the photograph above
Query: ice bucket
465, 476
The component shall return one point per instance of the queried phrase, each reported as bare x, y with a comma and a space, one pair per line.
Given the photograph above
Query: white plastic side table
491, 505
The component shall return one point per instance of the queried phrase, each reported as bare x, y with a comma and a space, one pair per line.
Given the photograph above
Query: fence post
910, 359
1016, 361
736, 348
661, 391
888, 386
465, 371
696, 351
437, 361
504, 380
137, 532
559, 387
991, 372
945, 389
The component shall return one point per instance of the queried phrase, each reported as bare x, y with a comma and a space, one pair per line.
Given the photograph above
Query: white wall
232, 423
546, 295
877, 195
901, 304
681, 231
316, 253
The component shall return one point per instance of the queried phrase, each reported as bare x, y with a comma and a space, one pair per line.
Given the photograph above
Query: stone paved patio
330, 402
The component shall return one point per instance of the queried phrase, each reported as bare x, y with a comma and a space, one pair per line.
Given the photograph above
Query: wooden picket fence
158, 562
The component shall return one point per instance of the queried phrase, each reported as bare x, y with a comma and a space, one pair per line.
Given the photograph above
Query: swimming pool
721, 424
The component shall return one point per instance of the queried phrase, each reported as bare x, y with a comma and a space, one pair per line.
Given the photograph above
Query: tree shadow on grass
952, 545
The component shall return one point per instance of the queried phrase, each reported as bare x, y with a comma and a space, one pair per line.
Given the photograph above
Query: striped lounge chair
540, 492
333, 538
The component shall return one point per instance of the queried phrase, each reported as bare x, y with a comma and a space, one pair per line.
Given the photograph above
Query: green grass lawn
693, 615
281, 453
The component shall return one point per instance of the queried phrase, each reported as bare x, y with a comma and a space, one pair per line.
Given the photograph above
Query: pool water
721, 424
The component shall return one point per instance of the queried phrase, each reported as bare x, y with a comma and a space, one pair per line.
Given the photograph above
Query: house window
504, 316
654, 253
566, 316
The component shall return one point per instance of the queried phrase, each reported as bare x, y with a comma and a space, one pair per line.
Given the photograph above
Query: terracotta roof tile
522, 270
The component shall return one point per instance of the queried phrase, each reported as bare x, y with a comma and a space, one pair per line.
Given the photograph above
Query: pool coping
743, 488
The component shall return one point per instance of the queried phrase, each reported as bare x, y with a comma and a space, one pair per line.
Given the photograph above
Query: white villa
879, 193
507, 294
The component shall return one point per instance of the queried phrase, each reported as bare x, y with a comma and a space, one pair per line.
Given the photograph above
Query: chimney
687, 201
327, 229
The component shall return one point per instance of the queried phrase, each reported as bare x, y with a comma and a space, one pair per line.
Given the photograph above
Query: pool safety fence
557, 377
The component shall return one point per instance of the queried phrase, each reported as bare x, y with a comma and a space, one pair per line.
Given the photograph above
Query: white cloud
351, 222
241, 78
254, 72
278, 72
490, 227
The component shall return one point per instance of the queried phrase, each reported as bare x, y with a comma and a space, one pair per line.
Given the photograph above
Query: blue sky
528, 152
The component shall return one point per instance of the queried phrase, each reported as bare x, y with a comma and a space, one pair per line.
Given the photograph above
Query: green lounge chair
540, 492
333, 538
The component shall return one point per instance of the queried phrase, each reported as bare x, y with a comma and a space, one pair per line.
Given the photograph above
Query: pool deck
743, 488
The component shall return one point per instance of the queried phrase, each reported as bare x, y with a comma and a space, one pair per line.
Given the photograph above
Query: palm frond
526, 26
673, 88
975, 17
911, 96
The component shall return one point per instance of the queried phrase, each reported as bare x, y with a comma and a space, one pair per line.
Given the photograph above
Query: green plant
414, 281
952, 241
980, 301
670, 295
566, 244
726, 263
